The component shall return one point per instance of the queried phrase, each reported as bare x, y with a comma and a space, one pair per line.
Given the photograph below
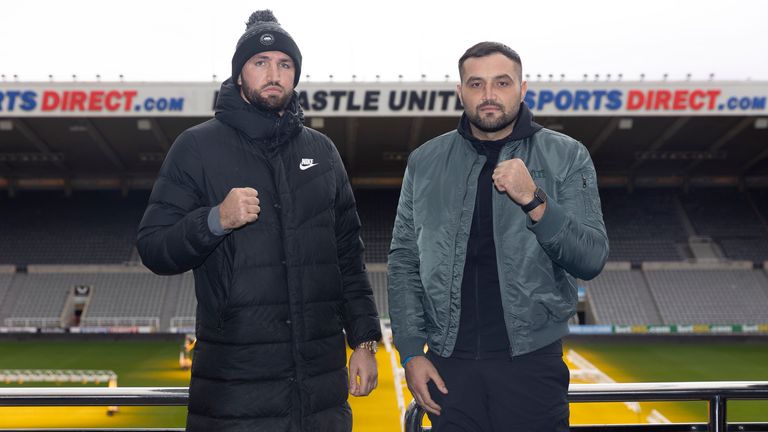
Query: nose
274, 72
488, 94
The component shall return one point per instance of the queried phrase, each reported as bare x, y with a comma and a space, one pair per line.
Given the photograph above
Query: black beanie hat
263, 33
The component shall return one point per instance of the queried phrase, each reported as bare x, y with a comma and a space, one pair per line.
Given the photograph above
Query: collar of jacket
259, 125
524, 127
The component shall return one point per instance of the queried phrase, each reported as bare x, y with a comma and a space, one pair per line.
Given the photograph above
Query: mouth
272, 89
489, 108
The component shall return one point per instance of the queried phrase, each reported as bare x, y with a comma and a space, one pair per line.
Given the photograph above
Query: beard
271, 103
490, 124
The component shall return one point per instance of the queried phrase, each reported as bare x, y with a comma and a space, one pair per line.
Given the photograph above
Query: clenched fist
241, 206
512, 176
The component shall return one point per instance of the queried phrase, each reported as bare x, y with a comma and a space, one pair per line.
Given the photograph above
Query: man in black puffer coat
261, 209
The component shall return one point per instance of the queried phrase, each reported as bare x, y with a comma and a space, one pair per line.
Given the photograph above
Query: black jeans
527, 393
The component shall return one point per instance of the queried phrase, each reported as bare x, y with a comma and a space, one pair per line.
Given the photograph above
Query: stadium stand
85, 228
716, 296
737, 228
752, 249
37, 300
710, 217
621, 297
6, 277
124, 299
119, 296
377, 210
759, 198
644, 225
377, 275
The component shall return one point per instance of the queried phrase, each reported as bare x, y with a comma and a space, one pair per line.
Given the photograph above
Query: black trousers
528, 393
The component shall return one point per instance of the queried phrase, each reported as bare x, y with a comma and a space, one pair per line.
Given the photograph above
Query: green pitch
641, 360
155, 364
137, 364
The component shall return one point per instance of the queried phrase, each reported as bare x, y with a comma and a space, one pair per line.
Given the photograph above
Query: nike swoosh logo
306, 167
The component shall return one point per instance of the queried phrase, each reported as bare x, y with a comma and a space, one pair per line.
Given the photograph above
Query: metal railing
77, 396
116, 321
119, 396
42, 322
716, 393
183, 321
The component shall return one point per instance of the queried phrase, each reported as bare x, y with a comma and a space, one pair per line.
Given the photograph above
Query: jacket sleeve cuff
550, 224
413, 346
214, 222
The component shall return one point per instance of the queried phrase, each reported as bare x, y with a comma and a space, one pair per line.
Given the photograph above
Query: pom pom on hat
265, 15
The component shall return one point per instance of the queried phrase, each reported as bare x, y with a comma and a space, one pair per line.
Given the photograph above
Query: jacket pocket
556, 311
539, 315
589, 193
225, 271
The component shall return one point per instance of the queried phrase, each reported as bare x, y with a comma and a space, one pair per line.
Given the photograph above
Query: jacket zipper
294, 337
506, 152
476, 265
453, 257
477, 312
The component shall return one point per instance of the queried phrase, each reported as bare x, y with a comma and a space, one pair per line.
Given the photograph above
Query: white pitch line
398, 373
586, 368
657, 417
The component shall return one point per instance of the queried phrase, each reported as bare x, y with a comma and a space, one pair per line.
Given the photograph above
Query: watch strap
539, 197
370, 345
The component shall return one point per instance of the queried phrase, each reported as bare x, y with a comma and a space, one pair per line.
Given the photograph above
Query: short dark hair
487, 48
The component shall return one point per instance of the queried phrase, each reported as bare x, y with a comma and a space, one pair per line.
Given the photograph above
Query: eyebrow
474, 77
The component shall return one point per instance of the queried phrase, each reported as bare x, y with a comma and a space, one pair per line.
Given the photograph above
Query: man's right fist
241, 206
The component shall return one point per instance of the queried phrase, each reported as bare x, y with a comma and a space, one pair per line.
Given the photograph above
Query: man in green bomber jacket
495, 221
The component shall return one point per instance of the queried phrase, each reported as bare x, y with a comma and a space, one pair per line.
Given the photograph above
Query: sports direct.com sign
405, 99
649, 100
124, 100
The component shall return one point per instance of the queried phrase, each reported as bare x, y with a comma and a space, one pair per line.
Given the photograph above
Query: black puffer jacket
274, 295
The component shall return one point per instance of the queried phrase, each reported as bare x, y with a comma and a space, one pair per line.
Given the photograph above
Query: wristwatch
539, 198
370, 345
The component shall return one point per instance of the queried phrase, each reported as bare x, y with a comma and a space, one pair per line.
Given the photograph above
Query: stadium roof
642, 133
